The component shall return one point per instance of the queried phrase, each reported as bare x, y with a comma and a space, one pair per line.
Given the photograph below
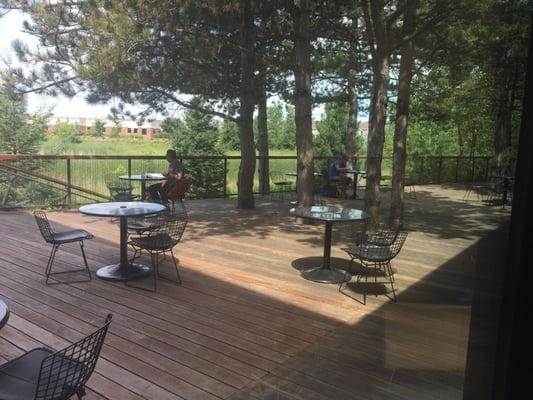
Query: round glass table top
328, 213
144, 177
122, 209
294, 173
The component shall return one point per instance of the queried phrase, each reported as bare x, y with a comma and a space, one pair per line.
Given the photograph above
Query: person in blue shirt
159, 191
337, 169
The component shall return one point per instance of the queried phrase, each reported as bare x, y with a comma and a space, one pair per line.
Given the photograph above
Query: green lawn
111, 147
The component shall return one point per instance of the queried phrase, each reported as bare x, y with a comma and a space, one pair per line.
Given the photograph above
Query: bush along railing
77, 179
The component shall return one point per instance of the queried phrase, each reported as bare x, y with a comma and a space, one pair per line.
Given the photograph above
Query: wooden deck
244, 324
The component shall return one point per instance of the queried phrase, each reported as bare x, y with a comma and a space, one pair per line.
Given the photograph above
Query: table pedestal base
326, 275
115, 272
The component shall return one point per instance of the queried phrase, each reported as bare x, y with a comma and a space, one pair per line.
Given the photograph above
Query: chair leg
365, 291
135, 251
349, 270
81, 393
50, 262
376, 276
85, 260
155, 266
176, 266
391, 278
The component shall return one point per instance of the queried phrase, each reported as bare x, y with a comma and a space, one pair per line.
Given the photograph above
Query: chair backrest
382, 234
398, 242
119, 189
381, 245
170, 229
65, 372
44, 225
278, 177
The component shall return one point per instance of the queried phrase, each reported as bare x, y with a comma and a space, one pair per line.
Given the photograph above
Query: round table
356, 173
143, 178
124, 270
326, 273
4, 313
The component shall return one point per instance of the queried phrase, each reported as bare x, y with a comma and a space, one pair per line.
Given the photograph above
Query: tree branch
194, 107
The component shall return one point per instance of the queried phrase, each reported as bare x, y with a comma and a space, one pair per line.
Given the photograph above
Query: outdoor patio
244, 324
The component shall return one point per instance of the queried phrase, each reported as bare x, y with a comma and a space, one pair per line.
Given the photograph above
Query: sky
10, 29
61, 106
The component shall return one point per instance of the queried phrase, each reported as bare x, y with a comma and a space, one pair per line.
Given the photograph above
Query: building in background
147, 130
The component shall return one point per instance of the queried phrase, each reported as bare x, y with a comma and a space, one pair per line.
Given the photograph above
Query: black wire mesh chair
56, 239
375, 250
409, 185
162, 239
119, 189
42, 374
281, 183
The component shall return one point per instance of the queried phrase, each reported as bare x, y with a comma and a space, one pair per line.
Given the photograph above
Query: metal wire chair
42, 374
409, 184
119, 189
281, 183
56, 239
166, 234
375, 250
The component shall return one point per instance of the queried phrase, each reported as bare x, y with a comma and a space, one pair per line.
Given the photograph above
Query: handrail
200, 157
38, 175
427, 168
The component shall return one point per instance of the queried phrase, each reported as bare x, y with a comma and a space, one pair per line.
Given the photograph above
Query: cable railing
82, 177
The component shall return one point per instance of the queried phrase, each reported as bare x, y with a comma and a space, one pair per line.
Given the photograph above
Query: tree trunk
504, 112
376, 136
302, 102
353, 105
402, 117
353, 109
262, 144
245, 121
376, 28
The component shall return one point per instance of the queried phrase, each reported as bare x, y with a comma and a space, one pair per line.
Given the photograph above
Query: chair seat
369, 252
74, 235
378, 239
141, 226
156, 242
18, 378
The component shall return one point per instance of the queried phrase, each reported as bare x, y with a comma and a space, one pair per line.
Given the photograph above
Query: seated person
159, 191
336, 171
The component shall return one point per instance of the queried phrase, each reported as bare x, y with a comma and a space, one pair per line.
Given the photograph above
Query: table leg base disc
326, 275
115, 273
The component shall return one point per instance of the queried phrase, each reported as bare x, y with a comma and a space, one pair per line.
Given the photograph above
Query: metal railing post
422, 165
225, 176
129, 166
473, 169
69, 183
440, 170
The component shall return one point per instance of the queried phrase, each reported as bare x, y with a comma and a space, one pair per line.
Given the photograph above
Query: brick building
147, 130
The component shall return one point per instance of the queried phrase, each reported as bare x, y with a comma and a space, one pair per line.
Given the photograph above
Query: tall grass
91, 174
